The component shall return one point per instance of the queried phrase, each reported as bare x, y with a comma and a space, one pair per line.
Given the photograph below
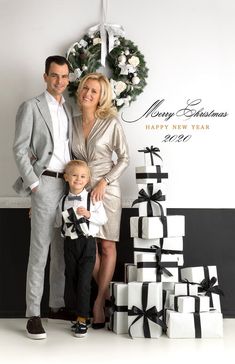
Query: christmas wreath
126, 64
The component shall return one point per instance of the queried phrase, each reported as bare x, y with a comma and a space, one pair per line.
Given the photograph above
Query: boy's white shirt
98, 215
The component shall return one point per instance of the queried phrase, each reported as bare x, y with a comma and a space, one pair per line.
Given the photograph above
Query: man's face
57, 79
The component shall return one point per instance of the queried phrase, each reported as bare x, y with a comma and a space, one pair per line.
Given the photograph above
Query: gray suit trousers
44, 236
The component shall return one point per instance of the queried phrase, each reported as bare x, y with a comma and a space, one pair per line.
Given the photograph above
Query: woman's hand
97, 194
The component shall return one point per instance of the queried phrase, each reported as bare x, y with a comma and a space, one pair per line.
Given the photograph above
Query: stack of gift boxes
158, 294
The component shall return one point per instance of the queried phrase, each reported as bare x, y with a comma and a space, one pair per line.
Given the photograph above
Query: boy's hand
83, 212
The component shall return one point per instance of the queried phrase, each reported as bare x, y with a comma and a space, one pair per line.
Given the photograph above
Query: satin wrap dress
105, 137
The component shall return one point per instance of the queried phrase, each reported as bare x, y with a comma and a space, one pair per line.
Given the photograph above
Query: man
41, 149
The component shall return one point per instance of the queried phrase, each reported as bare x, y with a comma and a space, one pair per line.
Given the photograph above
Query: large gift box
187, 304
194, 325
150, 201
119, 307
151, 156
206, 277
130, 272
150, 174
168, 245
152, 268
145, 314
145, 227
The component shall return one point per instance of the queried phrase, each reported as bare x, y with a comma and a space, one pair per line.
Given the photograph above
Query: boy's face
77, 178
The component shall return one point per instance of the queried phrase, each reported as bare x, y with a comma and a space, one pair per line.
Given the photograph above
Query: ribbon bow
150, 314
160, 265
75, 223
108, 32
148, 197
208, 286
152, 150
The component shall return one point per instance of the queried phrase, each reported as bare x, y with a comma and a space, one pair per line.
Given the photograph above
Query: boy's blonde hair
77, 163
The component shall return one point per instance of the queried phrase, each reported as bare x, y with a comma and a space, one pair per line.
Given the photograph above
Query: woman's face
90, 94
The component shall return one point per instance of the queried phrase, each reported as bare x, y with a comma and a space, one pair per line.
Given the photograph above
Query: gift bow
144, 196
108, 32
152, 150
208, 285
76, 223
160, 265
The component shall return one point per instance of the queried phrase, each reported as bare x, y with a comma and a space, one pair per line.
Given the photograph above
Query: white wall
189, 49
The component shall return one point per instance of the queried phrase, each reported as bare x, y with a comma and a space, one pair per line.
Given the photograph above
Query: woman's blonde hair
105, 107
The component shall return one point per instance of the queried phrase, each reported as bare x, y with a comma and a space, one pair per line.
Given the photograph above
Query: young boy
79, 219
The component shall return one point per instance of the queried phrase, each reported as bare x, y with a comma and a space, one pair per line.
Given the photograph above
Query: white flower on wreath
75, 75
82, 43
126, 69
123, 101
134, 61
96, 41
117, 87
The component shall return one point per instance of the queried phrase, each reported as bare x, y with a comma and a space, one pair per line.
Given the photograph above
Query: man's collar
50, 99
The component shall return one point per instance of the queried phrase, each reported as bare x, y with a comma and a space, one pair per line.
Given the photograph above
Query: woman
97, 134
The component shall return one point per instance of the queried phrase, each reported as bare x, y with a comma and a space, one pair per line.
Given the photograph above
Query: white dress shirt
98, 215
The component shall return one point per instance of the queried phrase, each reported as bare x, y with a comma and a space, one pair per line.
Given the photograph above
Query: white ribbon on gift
108, 32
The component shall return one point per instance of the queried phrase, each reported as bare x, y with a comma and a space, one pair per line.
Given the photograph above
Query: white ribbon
108, 32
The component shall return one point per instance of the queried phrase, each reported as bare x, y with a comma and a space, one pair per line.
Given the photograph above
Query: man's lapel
44, 110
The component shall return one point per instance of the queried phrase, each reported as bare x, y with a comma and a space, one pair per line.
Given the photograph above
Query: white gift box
137, 293
130, 272
169, 245
151, 156
150, 174
152, 227
70, 215
178, 289
187, 304
191, 325
197, 275
148, 272
152, 208
119, 297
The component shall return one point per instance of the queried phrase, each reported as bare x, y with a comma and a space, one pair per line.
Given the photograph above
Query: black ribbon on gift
140, 225
196, 302
208, 285
161, 267
158, 175
197, 325
152, 250
188, 285
150, 197
151, 314
75, 222
152, 150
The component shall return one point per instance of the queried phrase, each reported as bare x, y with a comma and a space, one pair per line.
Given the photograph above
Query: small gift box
168, 245
194, 325
178, 289
157, 268
75, 224
150, 174
145, 314
145, 227
130, 272
151, 156
187, 304
206, 277
119, 307
151, 201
